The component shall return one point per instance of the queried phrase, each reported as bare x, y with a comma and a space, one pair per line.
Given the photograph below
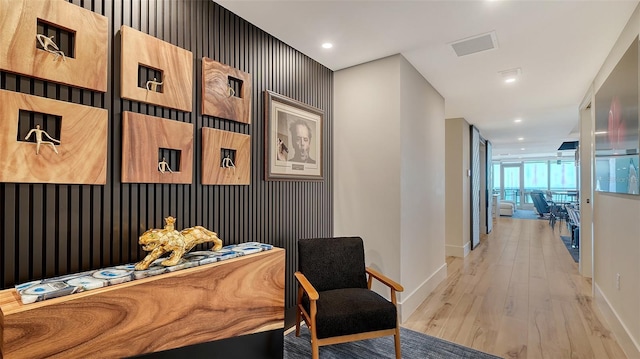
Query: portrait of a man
295, 139
301, 140
294, 146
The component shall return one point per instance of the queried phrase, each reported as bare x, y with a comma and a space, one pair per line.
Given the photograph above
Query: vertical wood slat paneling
55, 229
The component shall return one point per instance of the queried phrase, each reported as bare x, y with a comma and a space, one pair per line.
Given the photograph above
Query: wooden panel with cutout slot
174, 89
82, 151
19, 52
143, 136
226, 91
239, 296
214, 170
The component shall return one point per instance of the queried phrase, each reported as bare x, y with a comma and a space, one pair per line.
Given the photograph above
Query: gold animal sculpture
169, 240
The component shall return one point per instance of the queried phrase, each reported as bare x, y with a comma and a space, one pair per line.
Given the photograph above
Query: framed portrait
293, 139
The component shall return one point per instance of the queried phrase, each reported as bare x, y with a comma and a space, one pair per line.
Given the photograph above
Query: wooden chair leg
397, 342
297, 321
315, 350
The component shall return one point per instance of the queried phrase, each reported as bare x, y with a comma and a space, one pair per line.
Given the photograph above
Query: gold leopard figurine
168, 240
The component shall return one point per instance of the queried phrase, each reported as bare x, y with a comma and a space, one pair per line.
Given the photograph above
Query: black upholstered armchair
335, 296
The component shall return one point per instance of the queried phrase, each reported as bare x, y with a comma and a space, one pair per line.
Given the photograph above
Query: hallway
518, 295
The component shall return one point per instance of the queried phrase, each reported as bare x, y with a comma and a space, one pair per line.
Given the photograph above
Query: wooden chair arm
307, 286
385, 280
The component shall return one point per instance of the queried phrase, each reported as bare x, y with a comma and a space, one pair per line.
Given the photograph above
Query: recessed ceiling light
522, 149
517, 120
511, 75
327, 45
520, 138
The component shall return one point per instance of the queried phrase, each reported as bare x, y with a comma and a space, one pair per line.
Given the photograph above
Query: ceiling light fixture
511, 75
517, 120
327, 45
520, 138
522, 149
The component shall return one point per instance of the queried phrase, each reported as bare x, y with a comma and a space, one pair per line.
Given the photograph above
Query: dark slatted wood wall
48, 230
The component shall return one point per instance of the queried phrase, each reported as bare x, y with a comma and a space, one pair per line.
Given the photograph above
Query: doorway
512, 183
483, 188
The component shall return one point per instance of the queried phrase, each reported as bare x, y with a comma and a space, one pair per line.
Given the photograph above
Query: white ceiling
559, 45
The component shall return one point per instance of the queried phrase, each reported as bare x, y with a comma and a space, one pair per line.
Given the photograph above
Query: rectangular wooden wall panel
143, 136
212, 142
82, 152
236, 297
18, 52
175, 63
217, 100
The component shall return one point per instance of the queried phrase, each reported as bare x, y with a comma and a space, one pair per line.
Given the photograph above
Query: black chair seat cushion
351, 311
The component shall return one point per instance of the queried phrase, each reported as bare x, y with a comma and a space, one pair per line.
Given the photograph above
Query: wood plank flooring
518, 295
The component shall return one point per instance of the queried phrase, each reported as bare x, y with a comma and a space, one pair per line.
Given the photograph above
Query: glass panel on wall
536, 177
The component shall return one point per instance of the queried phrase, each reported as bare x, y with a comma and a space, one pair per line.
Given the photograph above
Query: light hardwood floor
518, 295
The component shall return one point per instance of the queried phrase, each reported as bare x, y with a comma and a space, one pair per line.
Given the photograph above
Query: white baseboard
412, 301
457, 251
629, 345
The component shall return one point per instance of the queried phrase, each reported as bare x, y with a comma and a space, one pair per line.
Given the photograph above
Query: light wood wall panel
49, 229
213, 141
143, 136
173, 62
219, 99
81, 156
18, 52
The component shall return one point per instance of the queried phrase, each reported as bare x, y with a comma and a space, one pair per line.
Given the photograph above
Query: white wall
367, 163
389, 173
616, 229
423, 187
458, 203
586, 190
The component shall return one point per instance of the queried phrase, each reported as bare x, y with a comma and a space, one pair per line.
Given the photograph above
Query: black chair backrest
333, 263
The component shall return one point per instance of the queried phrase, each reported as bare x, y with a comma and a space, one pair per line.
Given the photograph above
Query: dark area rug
525, 214
575, 252
414, 345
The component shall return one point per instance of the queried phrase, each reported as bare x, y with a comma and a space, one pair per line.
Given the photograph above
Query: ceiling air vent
474, 44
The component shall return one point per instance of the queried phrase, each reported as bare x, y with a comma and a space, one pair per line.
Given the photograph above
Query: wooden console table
236, 297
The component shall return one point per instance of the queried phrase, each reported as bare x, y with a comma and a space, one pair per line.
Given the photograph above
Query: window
535, 176
562, 176
551, 175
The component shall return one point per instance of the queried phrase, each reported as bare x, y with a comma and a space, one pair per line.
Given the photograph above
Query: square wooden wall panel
89, 31
174, 63
143, 136
82, 152
213, 143
217, 100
